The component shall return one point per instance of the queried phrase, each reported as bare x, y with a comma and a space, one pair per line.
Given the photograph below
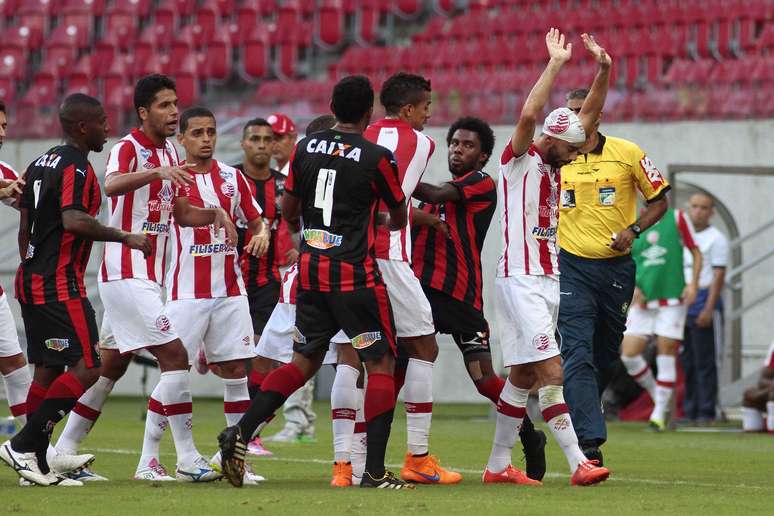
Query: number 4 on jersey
323, 196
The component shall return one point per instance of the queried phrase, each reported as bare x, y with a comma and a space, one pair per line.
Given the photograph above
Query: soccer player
661, 299
527, 284
57, 228
336, 178
406, 99
448, 234
758, 401
206, 296
142, 172
16, 374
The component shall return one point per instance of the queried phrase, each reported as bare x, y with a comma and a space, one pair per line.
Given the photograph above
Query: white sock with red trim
84, 414
343, 411
752, 420
17, 385
236, 399
557, 417
359, 443
418, 400
511, 408
641, 372
665, 385
176, 395
770, 416
155, 425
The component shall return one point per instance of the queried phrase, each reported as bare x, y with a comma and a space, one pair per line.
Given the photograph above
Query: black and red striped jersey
453, 265
55, 261
339, 177
258, 272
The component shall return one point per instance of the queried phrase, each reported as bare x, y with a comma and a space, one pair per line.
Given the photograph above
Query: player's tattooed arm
433, 194
595, 100
121, 183
85, 226
193, 216
538, 96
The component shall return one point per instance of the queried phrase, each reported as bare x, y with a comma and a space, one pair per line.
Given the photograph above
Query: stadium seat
218, 58
329, 24
122, 22
248, 17
84, 72
61, 48
187, 81
288, 15
13, 63
7, 87
255, 54
444, 7
407, 9
92, 7
208, 17
167, 15
8, 7
190, 37
82, 20
366, 22
42, 92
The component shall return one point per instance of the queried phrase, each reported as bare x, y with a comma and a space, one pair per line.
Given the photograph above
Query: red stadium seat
444, 7
248, 16
61, 49
367, 22
121, 24
287, 55
82, 73
116, 78
288, 15
42, 92
407, 8
7, 87
82, 20
167, 15
157, 63
187, 81
208, 17
92, 7
190, 37
255, 54
226, 7
329, 24
13, 63
218, 58
8, 7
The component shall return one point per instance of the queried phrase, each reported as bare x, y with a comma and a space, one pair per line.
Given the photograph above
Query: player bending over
527, 284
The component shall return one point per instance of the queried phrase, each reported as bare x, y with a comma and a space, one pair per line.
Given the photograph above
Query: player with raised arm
527, 284
57, 227
336, 178
142, 172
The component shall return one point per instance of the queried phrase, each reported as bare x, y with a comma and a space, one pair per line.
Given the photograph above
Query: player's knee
750, 397
114, 365
87, 376
232, 369
771, 394
12, 363
172, 356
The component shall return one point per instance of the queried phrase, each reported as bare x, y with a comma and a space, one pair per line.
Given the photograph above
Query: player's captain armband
652, 173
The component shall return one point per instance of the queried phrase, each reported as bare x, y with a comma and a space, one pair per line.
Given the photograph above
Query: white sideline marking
549, 474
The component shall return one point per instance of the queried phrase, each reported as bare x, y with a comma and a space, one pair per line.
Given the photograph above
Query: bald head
84, 121
701, 208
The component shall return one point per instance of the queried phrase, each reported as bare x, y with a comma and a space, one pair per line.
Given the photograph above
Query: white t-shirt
714, 249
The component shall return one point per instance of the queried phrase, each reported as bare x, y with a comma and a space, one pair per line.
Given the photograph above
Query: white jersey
527, 197
146, 210
201, 264
714, 251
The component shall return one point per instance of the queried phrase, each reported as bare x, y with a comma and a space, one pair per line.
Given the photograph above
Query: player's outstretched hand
259, 244
223, 221
12, 189
139, 241
599, 53
178, 175
556, 47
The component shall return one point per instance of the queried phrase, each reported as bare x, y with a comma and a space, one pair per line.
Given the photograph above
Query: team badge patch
228, 190
568, 198
366, 339
162, 323
607, 196
57, 344
541, 341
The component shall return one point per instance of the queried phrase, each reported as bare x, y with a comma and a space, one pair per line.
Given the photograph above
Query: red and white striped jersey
146, 210
9, 174
289, 284
412, 150
528, 195
202, 265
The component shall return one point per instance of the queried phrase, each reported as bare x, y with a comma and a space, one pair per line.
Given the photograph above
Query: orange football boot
588, 473
427, 470
342, 474
509, 475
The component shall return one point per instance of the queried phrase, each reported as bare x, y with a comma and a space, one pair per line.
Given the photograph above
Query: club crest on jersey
344, 150
57, 344
162, 323
228, 190
541, 341
366, 339
320, 239
543, 232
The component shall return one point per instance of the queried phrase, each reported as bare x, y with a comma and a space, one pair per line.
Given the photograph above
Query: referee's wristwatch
636, 229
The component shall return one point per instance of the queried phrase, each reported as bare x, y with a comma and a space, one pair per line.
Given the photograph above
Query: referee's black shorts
60, 334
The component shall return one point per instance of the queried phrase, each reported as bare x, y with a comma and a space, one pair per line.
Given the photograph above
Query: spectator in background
758, 401
703, 329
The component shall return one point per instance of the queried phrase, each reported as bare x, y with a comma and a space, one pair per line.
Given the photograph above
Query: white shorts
410, 307
527, 310
9, 339
276, 342
222, 327
106, 338
136, 314
664, 321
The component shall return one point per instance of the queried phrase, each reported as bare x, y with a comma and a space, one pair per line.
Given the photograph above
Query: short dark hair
2, 106
146, 89
75, 108
401, 89
352, 98
194, 112
255, 122
478, 126
321, 123
578, 93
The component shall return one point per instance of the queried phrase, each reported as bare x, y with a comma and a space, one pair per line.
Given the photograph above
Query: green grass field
673, 473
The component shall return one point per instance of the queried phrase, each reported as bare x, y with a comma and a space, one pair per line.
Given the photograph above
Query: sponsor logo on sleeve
652, 173
366, 339
57, 344
321, 239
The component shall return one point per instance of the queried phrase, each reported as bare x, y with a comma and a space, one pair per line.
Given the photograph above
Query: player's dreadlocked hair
146, 89
402, 89
485, 134
353, 98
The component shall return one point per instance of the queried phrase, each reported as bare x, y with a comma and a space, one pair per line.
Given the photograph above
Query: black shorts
262, 301
462, 321
60, 334
364, 315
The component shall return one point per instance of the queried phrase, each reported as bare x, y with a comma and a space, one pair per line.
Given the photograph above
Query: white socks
175, 391
358, 456
665, 385
17, 384
640, 371
752, 419
236, 399
343, 410
418, 400
155, 424
511, 408
84, 414
770, 416
557, 417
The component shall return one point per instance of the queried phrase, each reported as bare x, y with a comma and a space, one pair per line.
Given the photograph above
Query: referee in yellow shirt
597, 224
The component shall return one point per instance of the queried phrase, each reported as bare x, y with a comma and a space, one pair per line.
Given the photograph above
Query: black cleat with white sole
534, 446
232, 452
388, 481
